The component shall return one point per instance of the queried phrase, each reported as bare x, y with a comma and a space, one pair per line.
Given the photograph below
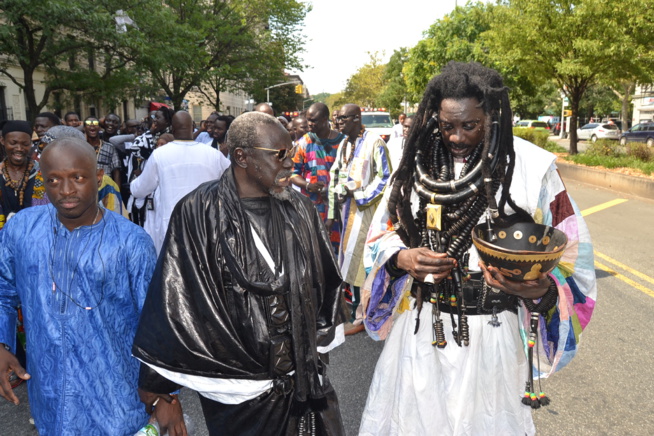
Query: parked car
533, 124
595, 131
643, 132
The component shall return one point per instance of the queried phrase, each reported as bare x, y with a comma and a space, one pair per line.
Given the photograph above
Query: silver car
595, 131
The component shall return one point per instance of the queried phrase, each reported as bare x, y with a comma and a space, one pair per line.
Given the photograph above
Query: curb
625, 184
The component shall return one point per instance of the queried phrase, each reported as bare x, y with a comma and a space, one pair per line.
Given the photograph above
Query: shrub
622, 161
639, 151
603, 147
538, 137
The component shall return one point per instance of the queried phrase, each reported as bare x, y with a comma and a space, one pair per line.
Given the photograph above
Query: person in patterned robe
358, 179
434, 376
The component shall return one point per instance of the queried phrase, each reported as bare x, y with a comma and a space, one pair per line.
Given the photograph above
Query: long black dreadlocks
449, 207
457, 81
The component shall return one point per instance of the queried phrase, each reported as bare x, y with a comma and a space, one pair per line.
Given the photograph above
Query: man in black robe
245, 297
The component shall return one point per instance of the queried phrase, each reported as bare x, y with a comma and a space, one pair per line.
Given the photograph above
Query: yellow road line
630, 270
627, 280
625, 267
603, 206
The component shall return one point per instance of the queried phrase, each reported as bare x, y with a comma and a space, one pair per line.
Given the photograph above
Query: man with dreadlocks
454, 361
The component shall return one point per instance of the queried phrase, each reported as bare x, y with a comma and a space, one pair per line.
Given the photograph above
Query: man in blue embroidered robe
81, 273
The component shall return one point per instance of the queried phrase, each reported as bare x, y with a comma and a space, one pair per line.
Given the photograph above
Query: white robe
419, 389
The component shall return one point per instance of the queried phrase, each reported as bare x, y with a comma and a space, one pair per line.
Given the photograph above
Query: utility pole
564, 130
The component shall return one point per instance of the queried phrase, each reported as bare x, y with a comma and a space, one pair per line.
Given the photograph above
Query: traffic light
567, 113
298, 89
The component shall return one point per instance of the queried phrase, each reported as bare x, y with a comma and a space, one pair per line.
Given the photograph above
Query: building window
197, 113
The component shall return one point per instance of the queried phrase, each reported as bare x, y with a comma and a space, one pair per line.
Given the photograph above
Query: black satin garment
214, 307
275, 306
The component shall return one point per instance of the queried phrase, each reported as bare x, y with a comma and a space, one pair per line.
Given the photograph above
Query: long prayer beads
18, 186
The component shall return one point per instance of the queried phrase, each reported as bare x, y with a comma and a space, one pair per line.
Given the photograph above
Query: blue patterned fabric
84, 379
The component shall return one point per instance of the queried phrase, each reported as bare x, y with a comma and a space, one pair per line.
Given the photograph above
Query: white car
379, 123
595, 131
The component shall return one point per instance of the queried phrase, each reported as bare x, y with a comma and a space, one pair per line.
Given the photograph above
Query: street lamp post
295, 82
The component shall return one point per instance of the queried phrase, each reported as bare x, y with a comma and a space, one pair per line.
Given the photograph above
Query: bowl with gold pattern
521, 251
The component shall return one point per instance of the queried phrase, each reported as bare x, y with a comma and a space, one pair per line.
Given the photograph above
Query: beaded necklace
18, 186
446, 228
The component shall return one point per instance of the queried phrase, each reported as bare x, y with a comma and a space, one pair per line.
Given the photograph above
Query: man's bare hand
315, 187
8, 362
419, 262
532, 289
167, 410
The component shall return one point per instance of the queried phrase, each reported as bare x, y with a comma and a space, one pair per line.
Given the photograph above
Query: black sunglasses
282, 153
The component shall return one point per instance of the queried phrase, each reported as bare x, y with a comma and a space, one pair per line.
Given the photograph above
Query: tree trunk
624, 116
177, 101
30, 96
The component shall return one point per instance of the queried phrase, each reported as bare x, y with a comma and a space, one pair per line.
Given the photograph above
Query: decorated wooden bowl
521, 251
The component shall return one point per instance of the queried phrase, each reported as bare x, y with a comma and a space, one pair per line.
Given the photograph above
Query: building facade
643, 102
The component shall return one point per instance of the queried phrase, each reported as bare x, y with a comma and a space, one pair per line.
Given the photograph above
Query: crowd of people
147, 256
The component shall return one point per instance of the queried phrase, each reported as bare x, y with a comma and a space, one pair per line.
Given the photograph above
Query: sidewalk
622, 183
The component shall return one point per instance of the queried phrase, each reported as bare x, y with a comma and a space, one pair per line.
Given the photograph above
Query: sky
340, 33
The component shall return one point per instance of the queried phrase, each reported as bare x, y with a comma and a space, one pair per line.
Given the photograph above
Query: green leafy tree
364, 87
454, 37
459, 37
284, 99
574, 43
62, 39
395, 90
635, 35
322, 97
334, 101
214, 46
599, 101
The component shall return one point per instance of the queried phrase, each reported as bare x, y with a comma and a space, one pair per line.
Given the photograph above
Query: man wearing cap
21, 184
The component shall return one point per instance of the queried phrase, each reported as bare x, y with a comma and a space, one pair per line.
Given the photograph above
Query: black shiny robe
207, 311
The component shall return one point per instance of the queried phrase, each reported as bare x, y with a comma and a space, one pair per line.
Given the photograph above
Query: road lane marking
625, 267
603, 206
605, 268
627, 280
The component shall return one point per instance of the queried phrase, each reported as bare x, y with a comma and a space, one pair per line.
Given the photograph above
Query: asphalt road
606, 390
